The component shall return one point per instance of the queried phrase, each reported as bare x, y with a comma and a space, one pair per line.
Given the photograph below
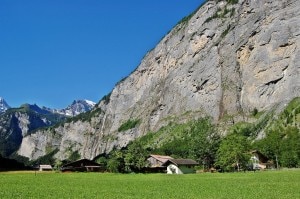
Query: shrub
129, 124
254, 112
233, 1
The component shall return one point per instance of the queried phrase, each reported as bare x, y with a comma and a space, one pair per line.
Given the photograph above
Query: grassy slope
271, 184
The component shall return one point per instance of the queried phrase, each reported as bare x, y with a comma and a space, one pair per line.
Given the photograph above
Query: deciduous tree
233, 152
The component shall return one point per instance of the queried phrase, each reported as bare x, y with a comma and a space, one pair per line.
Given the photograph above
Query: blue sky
55, 51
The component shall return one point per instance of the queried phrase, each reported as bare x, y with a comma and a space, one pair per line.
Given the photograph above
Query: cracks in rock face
200, 87
269, 87
203, 83
239, 87
273, 81
286, 45
254, 33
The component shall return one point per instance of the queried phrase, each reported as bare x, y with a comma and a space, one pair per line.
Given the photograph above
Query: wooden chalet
180, 166
82, 165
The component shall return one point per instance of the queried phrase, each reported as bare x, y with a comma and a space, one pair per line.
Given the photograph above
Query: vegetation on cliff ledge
129, 124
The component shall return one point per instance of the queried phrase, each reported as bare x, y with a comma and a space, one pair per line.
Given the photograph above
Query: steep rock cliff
225, 59
15, 124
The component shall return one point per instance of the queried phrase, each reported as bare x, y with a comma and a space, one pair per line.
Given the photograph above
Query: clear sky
55, 51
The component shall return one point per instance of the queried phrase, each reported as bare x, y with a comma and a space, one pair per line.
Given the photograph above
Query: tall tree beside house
205, 143
270, 145
135, 157
290, 155
130, 159
177, 148
116, 163
233, 152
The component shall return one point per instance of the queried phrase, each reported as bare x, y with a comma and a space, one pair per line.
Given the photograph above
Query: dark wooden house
82, 165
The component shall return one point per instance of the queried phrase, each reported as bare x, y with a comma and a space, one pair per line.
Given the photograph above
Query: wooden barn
82, 165
180, 166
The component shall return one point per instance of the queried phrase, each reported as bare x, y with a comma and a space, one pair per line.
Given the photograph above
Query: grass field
267, 184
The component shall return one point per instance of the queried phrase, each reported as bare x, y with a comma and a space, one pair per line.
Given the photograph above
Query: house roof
179, 162
161, 158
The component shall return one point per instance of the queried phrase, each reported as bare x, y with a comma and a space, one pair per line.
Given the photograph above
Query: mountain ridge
16, 123
75, 108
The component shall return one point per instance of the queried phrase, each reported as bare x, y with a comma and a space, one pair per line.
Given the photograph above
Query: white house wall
173, 169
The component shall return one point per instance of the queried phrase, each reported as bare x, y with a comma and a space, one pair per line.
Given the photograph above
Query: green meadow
263, 184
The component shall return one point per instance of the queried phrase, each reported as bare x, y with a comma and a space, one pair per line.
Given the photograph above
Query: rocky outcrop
226, 59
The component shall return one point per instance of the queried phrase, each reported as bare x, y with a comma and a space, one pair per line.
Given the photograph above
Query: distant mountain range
16, 123
77, 107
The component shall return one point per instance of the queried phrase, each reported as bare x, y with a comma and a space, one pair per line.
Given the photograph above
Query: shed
82, 165
180, 166
45, 167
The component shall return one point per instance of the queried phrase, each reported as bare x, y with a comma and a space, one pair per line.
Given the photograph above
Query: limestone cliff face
14, 125
226, 59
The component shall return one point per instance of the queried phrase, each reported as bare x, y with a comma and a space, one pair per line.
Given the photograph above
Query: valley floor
263, 184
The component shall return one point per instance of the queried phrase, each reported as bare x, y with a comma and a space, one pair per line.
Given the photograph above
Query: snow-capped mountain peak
3, 105
90, 103
77, 107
